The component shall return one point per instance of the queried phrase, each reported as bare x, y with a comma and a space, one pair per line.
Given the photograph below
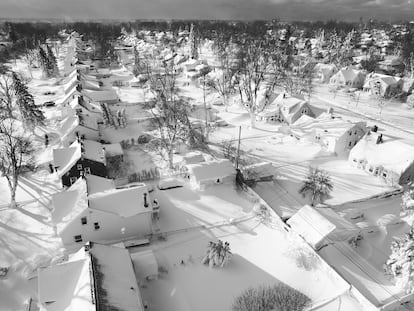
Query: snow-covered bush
279, 297
401, 262
217, 254
407, 202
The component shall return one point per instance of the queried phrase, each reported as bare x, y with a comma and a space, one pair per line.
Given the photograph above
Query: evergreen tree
52, 62
44, 62
30, 113
401, 263
318, 183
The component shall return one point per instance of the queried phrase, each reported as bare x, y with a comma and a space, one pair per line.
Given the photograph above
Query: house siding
97, 168
112, 227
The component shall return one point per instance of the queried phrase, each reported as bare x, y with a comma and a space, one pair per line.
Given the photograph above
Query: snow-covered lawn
184, 207
261, 255
27, 240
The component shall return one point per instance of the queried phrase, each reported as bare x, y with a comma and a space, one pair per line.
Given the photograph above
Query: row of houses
372, 83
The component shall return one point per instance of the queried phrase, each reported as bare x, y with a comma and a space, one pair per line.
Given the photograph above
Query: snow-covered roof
123, 202
67, 205
261, 169
101, 270
211, 170
118, 290
193, 158
65, 158
317, 225
324, 125
66, 286
99, 96
145, 264
112, 150
92, 150
391, 154
98, 184
70, 123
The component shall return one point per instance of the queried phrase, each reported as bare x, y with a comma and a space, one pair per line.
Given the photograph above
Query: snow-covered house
209, 173
319, 227
285, 108
104, 96
391, 65
348, 77
79, 105
106, 216
80, 125
82, 157
79, 79
384, 85
324, 72
389, 159
97, 277
332, 133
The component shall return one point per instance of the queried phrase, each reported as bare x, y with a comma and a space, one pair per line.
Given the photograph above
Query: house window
354, 160
78, 238
355, 132
96, 225
350, 144
72, 180
371, 169
350, 133
355, 143
87, 170
79, 167
84, 221
218, 180
384, 174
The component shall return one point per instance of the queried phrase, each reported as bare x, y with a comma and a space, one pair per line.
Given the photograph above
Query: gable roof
123, 202
317, 225
97, 277
391, 154
98, 184
99, 96
211, 170
66, 287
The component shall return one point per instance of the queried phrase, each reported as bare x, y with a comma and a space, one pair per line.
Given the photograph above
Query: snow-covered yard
261, 255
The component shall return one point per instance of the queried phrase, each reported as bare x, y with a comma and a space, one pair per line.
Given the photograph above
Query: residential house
391, 65
82, 157
383, 85
388, 159
79, 125
324, 72
348, 77
104, 96
321, 227
108, 216
332, 133
79, 105
97, 277
286, 108
205, 174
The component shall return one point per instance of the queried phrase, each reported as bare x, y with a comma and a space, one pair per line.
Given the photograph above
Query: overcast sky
209, 9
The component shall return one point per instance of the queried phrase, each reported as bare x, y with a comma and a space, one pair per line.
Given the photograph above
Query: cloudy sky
209, 9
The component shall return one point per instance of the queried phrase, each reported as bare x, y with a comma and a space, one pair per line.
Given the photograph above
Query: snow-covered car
367, 228
221, 123
49, 104
170, 183
389, 220
136, 184
354, 215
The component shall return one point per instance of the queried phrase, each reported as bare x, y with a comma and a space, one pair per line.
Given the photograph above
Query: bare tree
254, 62
170, 114
222, 80
16, 154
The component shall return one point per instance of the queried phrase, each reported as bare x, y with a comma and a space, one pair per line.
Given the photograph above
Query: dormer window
79, 167
84, 221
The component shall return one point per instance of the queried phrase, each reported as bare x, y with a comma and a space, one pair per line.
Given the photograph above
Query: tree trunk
225, 103
252, 119
171, 159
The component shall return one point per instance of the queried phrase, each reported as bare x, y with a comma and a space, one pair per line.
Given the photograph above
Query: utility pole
238, 149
